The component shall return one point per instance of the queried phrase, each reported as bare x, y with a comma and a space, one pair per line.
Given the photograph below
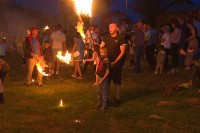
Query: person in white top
166, 42
91, 39
58, 43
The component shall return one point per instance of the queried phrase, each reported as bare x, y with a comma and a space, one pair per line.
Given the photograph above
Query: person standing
78, 55
139, 43
196, 24
116, 51
192, 44
103, 69
166, 42
33, 54
58, 43
91, 40
175, 43
151, 45
3, 48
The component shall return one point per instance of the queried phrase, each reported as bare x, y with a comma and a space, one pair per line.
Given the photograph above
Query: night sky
51, 6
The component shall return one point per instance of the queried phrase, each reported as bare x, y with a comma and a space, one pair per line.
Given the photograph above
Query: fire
40, 69
82, 7
64, 58
61, 103
46, 27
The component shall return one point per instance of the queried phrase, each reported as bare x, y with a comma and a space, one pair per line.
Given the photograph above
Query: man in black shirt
116, 51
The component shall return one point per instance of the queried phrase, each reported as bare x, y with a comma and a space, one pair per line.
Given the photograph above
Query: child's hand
100, 82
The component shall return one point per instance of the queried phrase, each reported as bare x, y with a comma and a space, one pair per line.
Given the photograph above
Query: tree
151, 8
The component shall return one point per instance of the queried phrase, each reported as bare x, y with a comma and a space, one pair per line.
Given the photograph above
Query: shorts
115, 73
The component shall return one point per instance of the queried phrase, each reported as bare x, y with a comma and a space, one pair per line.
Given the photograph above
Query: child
196, 63
103, 70
48, 55
96, 59
189, 57
161, 56
4, 67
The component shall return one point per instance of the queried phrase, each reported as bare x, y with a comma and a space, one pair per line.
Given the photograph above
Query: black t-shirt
103, 65
113, 45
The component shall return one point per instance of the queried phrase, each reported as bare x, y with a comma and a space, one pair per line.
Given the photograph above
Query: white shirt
58, 38
90, 39
167, 42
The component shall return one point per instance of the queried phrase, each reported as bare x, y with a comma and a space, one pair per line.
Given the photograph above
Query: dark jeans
150, 50
174, 54
195, 73
88, 56
138, 53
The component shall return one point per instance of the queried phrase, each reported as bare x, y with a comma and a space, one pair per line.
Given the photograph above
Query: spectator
160, 60
192, 43
175, 44
103, 70
58, 43
166, 42
78, 54
33, 54
91, 39
151, 45
196, 24
3, 48
116, 51
139, 43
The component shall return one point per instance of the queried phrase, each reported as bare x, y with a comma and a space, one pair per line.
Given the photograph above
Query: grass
36, 110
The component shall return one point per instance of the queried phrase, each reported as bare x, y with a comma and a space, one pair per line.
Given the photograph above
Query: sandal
73, 76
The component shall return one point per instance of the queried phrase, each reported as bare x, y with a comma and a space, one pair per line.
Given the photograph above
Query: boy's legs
104, 93
99, 104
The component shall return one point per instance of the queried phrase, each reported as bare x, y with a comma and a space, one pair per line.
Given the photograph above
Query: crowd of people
179, 40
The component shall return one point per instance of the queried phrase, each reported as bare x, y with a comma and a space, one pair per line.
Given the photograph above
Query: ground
36, 110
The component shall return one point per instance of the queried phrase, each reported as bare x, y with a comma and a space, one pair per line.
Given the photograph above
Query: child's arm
92, 59
105, 76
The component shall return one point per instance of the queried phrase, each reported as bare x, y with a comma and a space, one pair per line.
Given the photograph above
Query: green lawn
36, 110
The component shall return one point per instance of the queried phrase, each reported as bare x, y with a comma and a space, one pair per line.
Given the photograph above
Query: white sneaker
155, 72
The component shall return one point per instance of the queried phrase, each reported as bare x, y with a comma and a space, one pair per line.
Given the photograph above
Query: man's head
34, 31
139, 25
113, 28
103, 51
59, 27
91, 28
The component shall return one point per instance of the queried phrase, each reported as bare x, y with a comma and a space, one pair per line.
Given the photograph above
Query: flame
64, 58
80, 26
61, 103
46, 27
41, 69
83, 7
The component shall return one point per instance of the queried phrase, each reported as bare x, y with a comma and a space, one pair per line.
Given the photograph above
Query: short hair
114, 23
176, 23
59, 26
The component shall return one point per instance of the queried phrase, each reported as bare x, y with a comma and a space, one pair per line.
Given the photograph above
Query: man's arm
122, 52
